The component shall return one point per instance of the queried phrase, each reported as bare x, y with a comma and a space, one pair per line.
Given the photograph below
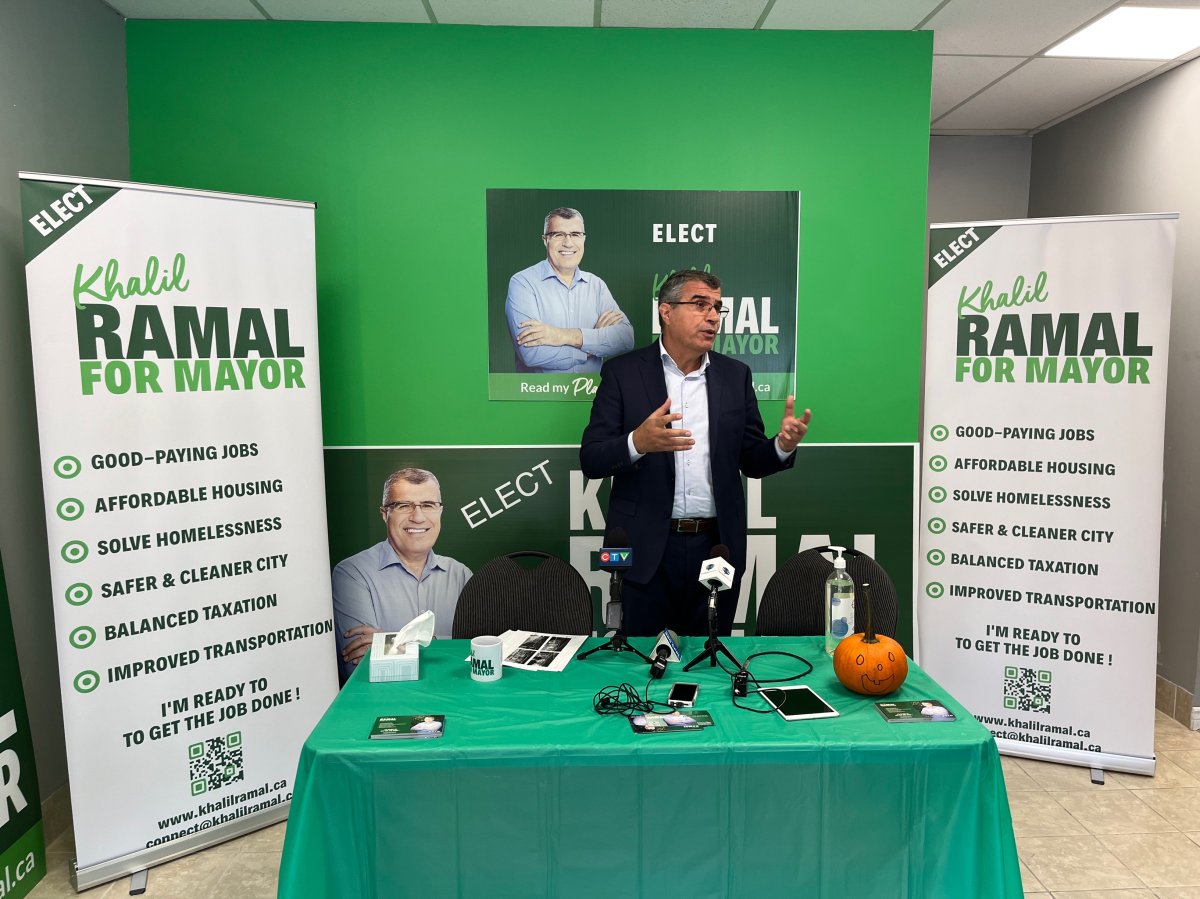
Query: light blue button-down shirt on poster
537, 294
374, 588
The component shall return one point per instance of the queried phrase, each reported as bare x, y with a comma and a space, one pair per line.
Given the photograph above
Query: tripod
618, 642
713, 644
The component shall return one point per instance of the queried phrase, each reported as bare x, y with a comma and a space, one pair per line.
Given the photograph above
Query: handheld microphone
615, 558
662, 653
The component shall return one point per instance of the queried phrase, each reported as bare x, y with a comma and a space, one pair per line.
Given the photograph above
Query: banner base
1106, 761
126, 865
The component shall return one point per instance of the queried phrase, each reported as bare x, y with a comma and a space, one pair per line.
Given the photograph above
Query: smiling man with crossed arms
386, 586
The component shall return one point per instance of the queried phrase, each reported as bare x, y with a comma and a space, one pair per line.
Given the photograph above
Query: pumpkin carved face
873, 666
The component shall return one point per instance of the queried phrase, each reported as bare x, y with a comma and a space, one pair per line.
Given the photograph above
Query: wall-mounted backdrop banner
176, 374
629, 243
22, 846
1045, 392
507, 498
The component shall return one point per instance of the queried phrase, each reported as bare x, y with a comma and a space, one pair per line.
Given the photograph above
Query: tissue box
392, 660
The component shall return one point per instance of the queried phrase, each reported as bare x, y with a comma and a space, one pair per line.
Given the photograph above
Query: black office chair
793, 603
550, 597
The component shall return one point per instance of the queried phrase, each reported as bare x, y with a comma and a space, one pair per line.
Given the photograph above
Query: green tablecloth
531, 794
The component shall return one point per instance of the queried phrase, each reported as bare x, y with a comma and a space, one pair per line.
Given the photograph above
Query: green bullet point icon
74, 551
938, 463
70, 509
935, 557
937, 525
86, 681
937, 494
78, 594
939, 432
934, 590
82, 637
67, 467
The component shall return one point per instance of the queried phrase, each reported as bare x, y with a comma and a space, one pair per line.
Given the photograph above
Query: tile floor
1132, 838
245, 868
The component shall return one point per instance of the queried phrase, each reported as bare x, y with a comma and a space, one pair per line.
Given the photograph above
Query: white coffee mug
487, 659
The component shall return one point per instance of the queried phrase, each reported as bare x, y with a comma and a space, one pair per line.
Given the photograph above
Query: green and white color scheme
634, 240
177, 384
1045, 394
505, 498
22, 846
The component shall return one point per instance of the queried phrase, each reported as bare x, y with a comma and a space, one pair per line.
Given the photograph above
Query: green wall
396, 131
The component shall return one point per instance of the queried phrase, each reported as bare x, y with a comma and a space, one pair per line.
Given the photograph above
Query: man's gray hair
413, 476
562, 212
672, 289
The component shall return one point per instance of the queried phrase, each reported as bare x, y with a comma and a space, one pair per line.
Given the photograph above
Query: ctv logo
617, 558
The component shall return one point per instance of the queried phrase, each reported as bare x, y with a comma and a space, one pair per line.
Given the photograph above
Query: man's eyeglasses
704, 306
563, 235
405, 508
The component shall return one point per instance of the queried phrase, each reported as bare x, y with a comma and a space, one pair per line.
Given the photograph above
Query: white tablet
798, 703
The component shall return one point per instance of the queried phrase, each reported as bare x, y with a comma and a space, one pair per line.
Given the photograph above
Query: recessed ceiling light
1136, 32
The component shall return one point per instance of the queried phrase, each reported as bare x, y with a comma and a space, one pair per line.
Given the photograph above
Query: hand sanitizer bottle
839, 603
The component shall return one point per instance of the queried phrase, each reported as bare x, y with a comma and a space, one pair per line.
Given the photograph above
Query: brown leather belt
693, 525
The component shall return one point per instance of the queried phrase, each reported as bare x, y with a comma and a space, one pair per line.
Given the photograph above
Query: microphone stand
713, 644
618, 642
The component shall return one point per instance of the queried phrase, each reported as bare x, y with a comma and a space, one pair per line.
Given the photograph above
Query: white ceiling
988, 73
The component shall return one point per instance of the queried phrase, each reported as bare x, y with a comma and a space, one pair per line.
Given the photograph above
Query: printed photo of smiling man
561, 318
389, 584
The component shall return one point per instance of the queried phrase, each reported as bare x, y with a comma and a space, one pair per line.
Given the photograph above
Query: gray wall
1138, 152
975, 179
63, 110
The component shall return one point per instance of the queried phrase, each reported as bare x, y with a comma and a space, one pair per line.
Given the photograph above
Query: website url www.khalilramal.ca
242, 801
1037, 732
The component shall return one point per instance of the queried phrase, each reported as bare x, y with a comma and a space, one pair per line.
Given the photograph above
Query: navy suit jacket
631, 387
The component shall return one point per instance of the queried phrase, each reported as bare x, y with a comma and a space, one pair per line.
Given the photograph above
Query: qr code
1026, 689
215, 763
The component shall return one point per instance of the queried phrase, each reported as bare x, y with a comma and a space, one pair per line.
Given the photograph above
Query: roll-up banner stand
1041, 495
177, 383
22, 844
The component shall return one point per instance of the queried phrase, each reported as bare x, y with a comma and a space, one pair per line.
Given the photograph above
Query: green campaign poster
615, 254
503, 499
22, 847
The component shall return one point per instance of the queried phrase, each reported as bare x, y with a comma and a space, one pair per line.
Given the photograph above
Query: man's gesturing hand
655, 434
792, 429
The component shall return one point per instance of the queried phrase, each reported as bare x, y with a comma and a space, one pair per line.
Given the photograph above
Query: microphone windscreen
616, 537
721, 550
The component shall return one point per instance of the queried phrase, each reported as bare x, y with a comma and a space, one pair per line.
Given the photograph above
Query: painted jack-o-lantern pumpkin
868, 663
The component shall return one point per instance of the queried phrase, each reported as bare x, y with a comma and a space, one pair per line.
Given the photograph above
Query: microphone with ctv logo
615, 559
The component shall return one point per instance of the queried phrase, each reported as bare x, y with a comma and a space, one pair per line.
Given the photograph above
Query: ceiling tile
346, 10
848, 15
681, 13
1011, 27
570, 13
186, 9
1043, 90
957, 77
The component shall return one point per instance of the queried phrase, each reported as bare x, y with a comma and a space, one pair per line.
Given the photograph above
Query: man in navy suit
675, 424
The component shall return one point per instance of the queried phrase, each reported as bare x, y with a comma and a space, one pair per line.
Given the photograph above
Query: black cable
776, 680
624, 700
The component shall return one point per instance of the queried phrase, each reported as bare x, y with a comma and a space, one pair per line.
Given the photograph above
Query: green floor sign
22, 847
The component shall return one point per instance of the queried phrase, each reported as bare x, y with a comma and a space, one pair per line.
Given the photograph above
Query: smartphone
683, 696
798, 703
